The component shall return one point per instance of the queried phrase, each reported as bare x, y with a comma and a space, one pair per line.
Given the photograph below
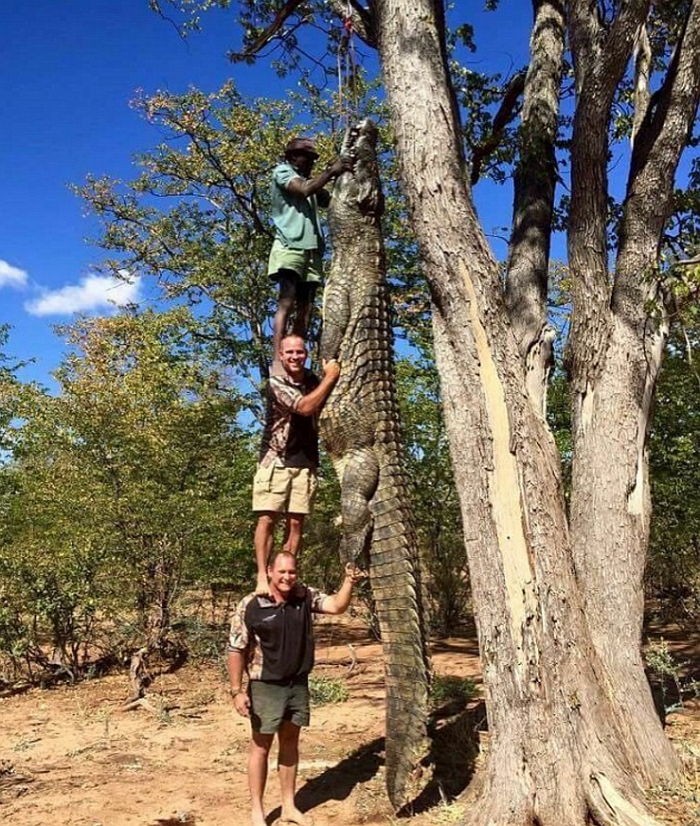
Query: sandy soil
68, 755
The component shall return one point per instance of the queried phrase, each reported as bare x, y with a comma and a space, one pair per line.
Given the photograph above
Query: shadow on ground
454, 733
338, 782
454, 747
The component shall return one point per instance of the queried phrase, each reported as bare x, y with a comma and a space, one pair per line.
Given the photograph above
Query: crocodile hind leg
358, 472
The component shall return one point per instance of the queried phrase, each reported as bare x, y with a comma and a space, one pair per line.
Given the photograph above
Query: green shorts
283, 489
271, 702
307, 264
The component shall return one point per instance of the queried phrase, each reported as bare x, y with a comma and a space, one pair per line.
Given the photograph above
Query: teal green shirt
295, 218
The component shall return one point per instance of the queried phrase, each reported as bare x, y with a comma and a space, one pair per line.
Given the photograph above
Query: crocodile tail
397, 592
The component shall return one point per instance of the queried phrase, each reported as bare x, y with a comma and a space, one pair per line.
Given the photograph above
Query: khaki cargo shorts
284, 489
307, 264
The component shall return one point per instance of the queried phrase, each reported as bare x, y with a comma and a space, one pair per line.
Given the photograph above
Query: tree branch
660, 141
642, 68
269, 33
535, 182
364, 24
506, 113
601, 52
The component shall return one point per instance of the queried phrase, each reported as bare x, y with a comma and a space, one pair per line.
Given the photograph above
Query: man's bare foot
296, 817
257, 819
262, 589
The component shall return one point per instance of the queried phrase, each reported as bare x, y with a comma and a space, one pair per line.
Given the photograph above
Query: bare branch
506, 113
535, 182
660, 141
642, 68
269, 33
601, 51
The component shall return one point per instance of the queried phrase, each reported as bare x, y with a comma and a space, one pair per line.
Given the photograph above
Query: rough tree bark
558, 603
533, 200
617, 345
550, 698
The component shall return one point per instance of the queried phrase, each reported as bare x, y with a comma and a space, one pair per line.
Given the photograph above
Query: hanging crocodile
359, 426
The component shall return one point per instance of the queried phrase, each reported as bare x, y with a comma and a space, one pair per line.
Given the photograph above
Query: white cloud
11, 276
94, 292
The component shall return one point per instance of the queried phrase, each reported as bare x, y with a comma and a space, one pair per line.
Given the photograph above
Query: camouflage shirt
289, 439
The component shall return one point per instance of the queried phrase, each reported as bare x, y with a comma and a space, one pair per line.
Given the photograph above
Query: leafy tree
558, 593
8, 384
209, 246
674, 570
126, 485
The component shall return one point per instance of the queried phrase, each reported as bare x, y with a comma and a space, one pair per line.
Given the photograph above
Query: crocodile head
361, 189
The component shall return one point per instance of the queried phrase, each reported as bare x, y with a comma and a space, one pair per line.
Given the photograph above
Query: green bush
324, 690
449, 687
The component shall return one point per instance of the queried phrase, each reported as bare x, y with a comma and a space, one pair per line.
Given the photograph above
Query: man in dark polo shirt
285, 480
271, 640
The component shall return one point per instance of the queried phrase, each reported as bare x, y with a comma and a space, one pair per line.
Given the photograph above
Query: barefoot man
272, 642
285, 481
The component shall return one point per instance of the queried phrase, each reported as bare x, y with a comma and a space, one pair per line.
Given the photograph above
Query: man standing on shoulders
297, 251
285, 481
272, 641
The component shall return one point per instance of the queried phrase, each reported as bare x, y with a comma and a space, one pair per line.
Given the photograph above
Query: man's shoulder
283, 173
245, 602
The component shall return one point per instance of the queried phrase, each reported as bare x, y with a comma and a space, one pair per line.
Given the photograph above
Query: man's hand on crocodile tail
354, 573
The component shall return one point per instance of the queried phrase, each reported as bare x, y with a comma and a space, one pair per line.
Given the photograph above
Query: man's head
282, 574
301, 154
293, 356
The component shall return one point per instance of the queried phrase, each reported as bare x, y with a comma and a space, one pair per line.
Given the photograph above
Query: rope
347, 69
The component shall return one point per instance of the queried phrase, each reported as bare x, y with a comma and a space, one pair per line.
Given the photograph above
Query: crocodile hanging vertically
359, 426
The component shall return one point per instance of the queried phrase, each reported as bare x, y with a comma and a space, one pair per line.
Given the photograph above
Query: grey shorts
271, 702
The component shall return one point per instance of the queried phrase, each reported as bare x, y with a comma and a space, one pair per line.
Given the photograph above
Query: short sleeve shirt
276, 638
295, 218
289, 439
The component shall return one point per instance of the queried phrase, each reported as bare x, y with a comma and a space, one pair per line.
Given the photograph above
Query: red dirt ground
68, 755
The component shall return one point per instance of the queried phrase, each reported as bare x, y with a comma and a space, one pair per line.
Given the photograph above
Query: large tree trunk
558, 754
614, 372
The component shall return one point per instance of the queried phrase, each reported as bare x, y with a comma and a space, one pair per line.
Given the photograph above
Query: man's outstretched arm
338, 603
305, 187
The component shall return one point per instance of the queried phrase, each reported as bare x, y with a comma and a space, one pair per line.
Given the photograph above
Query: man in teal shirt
296, 256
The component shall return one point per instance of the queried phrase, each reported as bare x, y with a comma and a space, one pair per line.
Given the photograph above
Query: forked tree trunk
617, 346
610, 511
559, 752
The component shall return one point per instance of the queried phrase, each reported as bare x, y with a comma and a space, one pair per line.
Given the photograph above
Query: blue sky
69, 69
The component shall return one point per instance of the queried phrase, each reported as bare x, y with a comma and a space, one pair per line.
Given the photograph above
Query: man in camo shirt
285, 480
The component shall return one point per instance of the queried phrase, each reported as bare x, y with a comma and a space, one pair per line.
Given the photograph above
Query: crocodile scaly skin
359, 426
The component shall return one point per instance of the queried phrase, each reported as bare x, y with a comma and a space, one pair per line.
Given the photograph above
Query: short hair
290, 336
277, 554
